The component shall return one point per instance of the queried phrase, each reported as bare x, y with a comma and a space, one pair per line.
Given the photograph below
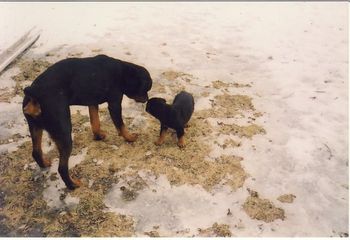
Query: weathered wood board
23, 43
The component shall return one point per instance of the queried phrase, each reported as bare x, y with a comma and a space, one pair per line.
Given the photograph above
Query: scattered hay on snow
25, 210
27, 213
241, 131
181, 166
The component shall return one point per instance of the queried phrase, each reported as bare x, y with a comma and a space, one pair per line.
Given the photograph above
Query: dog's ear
136, 80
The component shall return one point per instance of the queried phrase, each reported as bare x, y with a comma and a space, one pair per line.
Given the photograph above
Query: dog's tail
32, 106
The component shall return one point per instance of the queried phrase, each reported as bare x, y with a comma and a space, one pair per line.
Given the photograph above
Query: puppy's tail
31, 105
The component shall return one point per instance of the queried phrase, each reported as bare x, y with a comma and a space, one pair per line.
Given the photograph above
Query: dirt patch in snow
241, 131
5, 95
14, 138
286, 198
29, 70
219, 85
230, 143
229, 106
152, 233
172, 75
217, 230
262, 209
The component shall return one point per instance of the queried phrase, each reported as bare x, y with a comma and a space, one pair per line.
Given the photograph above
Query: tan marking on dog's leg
36, 135
161, 138
64, 152
95, 123
126, 135
32, 108
181, 142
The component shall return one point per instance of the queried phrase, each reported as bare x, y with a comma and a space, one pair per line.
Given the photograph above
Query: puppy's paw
130, 137
158, 142
180, 145
100, 135
181, 142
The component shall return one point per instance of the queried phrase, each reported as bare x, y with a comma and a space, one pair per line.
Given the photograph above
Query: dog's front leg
115, 110
163, 130
95, 123
180, 136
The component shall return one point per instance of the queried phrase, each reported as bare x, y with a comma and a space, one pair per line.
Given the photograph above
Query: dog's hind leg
37, 153
60, 131
36, 132
64, 146
95, 123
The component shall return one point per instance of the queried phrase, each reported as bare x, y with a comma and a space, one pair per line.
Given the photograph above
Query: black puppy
80, 81
173, 116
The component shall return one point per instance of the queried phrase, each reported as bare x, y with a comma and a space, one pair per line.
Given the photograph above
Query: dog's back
184, 104
84, 81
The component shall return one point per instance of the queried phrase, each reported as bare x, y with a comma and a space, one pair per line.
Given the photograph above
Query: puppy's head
137, 82
154, 106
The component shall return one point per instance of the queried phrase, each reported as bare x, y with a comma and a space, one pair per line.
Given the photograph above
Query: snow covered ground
294, 56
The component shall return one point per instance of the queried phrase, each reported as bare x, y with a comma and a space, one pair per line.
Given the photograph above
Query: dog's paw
159, 142
131, 137
181, 143
75, 184
100, 135
46, 163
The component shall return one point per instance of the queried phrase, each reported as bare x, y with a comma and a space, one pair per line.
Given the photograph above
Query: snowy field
286, 64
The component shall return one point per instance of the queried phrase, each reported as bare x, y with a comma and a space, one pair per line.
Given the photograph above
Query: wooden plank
26, 41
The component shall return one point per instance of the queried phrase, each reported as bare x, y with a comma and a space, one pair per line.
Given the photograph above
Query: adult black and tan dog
173, 116
80, 81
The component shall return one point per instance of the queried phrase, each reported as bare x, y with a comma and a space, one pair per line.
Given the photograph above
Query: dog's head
154, 106
136, 82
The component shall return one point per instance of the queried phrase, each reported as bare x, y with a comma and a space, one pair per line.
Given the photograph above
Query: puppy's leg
180, 136
161, 138
115, 110
95, 123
